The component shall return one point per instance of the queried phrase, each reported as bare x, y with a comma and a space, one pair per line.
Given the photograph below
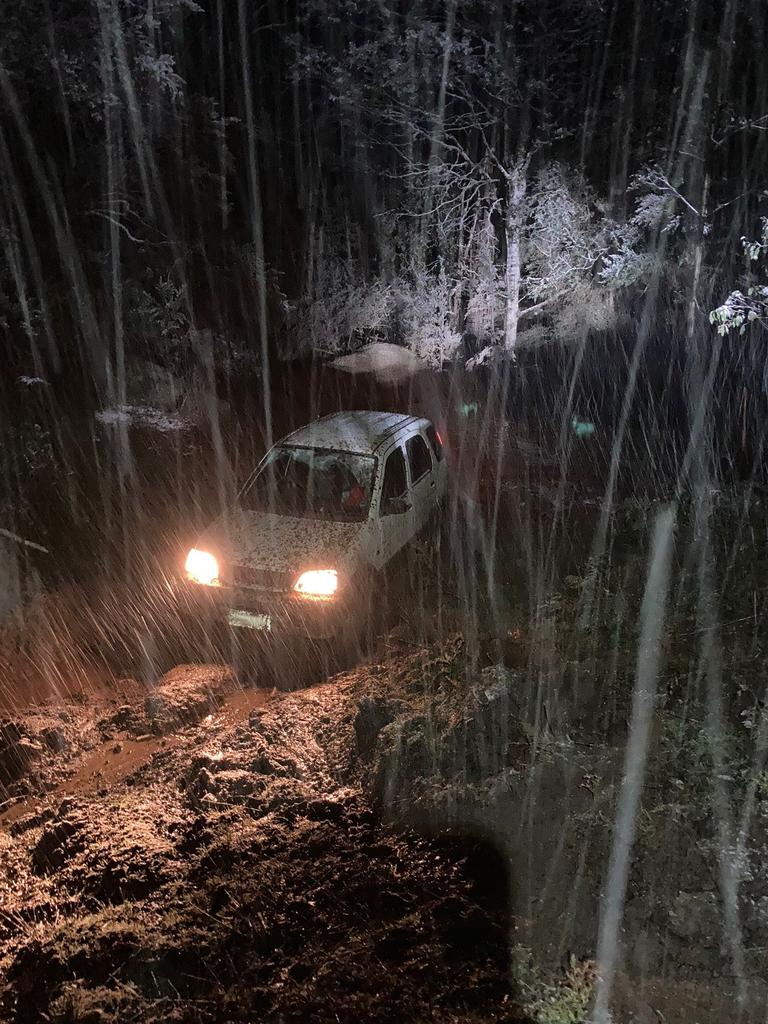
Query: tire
357, 637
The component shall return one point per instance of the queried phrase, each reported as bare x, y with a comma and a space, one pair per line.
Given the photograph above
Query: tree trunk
257, 223
516, 183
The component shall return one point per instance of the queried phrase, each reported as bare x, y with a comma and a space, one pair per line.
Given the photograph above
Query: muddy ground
227, 860
391, 844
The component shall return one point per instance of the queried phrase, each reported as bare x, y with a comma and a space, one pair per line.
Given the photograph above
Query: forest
465, 179
536, 793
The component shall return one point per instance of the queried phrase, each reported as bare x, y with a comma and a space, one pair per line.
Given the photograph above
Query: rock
693, 957
696, 916
10, 732
235, 785
204, 782
470, 736
401, 758
325, 810
644, 1013
498, 722
697, 869
30, 749
123, 714
647, 951
499, 681
201, 402
125, 719
66, 806
387, 363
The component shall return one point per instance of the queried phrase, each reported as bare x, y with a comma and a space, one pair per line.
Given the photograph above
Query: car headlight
202, 567
317, 583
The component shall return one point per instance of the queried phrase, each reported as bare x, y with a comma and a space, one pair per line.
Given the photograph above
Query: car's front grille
262, 579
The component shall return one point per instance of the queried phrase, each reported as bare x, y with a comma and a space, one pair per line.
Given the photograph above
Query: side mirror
395, 506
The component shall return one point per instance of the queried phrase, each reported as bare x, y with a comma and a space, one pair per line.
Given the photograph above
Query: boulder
756, 919
30, 821
54, 739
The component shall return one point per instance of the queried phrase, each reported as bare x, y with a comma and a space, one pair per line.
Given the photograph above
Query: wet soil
379, 846
236, 867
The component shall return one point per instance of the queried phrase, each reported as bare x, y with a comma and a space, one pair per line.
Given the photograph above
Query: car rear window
435, 442
395, 483
419, 458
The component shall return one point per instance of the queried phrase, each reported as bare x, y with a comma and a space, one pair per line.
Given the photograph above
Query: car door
394, 511
422, 481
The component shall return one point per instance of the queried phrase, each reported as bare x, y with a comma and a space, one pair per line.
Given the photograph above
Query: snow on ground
390, 364
142, 416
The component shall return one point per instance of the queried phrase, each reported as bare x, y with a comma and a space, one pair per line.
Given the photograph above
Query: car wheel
356, 638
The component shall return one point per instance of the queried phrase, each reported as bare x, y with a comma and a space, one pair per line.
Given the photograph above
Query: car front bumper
278, 612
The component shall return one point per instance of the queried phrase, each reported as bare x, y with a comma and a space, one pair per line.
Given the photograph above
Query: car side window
395, 483
419, 459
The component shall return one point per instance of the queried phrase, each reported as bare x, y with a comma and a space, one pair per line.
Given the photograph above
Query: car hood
280, 543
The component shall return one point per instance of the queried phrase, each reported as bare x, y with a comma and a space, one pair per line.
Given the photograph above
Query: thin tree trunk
438, 131
516, 184
437, 137
620, 177
223, 195
257, 233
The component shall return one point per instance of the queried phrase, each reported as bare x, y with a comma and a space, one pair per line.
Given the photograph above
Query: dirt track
117, 757
200, 852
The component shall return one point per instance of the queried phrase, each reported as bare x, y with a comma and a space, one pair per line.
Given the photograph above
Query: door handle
432, 484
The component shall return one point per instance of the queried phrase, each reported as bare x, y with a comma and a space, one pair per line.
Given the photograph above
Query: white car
325, 512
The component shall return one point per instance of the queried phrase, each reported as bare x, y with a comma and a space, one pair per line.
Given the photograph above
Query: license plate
249, 620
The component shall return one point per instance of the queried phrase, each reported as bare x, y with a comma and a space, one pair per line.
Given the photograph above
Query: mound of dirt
35, 746
471, 733
182, 697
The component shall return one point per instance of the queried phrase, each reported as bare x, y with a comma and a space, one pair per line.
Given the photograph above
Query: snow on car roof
360, 432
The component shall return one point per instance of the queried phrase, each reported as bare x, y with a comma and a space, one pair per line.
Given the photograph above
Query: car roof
362, 431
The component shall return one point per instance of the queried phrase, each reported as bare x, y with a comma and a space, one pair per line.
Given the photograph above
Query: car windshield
312, 482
